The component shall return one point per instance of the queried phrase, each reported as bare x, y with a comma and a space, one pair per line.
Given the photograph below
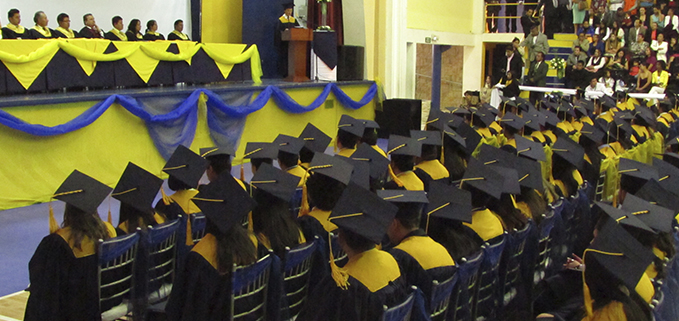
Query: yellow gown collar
17, 29
181, 36
67, 32
121, 35
43, 31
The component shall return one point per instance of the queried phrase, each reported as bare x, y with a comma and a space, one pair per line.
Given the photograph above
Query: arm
601, 64
664, 79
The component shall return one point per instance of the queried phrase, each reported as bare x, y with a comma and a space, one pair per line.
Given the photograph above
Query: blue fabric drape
178, 126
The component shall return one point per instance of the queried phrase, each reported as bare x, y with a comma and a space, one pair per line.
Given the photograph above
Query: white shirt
596, 91
601, 64
674, 21
661, 48
509, 63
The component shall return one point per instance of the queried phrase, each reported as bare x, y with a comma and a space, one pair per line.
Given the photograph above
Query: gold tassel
586, 294
335, 146
443, 150
110, 220
394, 178
340, 276
189, 231
513, 201
242, 171
54, 226
166, 199
304, 207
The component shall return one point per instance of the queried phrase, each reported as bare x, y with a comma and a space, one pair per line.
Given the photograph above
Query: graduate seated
177, 33
349, 133
40, 30
185, 169
288, 156
377, 165
13, 30
133, 32
485, 186
260, 153
512, 125
202, 290
219, 161
117, 33
371, 279
63, 269
64, 30
567, 159
403, 151
429, 159
315, 141
370, 135
152, 31
90, 30
136, 190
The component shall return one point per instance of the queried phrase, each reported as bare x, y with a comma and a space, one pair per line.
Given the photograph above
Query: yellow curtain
142, 64
27, 67
212, 50
185, 52
81, 49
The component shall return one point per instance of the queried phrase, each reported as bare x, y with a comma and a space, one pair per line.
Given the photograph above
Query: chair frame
254, 287
198, 222
301, 270
439, 310
128, 257
159, 248
407, 304
470, 284
489, 291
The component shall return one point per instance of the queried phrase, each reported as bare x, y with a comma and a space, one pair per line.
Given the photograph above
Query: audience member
613, 44
595, 87
659, 78
586, 29
579, 11
537, 75
618, 32
652, 34
671, 20
528, 20
638, 48
651, 59
635, 31
579, 77
643, 79
581, 42
643, 17
511, 11
596, 63
535, 42
660, 46
658, 18
596, 44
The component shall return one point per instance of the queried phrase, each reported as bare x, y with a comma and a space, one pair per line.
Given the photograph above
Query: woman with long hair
136, 190
151, 33
134, 31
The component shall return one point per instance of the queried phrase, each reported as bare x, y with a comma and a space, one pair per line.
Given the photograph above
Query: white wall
165, 12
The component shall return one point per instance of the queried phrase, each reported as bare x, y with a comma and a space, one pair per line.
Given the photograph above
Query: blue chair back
513, 264
340, 257
560, 244
116, 260
545, 244
400, 312
198, 222
296, 273
440, 297
296, 202
487, 302
462, 299
249, 290
160, 243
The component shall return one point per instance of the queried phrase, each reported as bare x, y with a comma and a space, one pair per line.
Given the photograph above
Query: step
565, 36
561, 43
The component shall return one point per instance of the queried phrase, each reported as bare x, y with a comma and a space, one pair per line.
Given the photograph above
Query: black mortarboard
550, 117
530, 173
592, 133
672, 158
401, 145
510, 177
471, 137
646, 114
186, 166
360, 175
364, 213
370, 123
224, 202
623, 217
513, 121
261, 150
446, 201
668, 175
482, 178
656, 194
333, 167
524, 104
137, 188
570, 151
377, 162
274, 181
635, 174
403, 196
484, 115
608, 101
458, 110
673, 142
288, 144
314, 139
508, 101
532, 119
658, 218
82, 191
427, 137
456, 138
529, 148
490, 155
288, 5
351, 125
443, 121
587, 105
213, 151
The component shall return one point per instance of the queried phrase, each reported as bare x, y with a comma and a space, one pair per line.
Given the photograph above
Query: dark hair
663, 65
455, 237
516, 39
323, 191
61, 17
133, 216
287, 159
83, 225
271, 218
85, 17
577, 47
116, 19
511, 217
234, 247
219, 163
455, 159
509, 48
409, 215
257, 162
306, 155
132, 26
347, 139
404, 163
369, 136
177, 185
563, 171
36, 16
150, 24
12, 12
429, 152
536, 203
178, 21
355, 241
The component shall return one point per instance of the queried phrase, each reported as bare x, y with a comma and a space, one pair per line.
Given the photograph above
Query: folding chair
486, 300
249, 290
402, 311
440, 297
198, 222
462, 298
296, 274
115, 273
511, 267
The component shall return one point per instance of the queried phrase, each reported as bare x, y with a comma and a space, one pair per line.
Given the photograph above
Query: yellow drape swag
27, 59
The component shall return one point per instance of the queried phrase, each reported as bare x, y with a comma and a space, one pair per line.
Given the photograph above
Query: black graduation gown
283, 45
112, 36
173, 36
86, 32
131, 36
152, 37
63, 287
35, 34
8, 33
58, 34
424, 177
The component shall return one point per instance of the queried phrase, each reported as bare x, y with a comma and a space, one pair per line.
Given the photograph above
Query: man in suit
537, 76
527, 21
511, 11
511, 62
90, 30
634, 32
535, 42
40, 30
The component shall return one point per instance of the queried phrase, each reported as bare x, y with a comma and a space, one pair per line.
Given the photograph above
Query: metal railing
494, 19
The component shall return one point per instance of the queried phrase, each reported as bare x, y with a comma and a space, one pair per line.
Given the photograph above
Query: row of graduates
14, 30
442, 207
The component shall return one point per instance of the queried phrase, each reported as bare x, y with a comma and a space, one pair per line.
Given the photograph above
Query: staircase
559, 47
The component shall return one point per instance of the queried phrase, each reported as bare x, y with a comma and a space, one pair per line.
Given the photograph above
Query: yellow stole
290, 19
410, 181
152, 33
43, 31
180, 35
434, 168
87, 245
121, 35
17, 29
375, 269
67, 32
426, 252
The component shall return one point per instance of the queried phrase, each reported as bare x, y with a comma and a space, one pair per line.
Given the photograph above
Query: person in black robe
511, 89
90, 30
133, 31
202, 289
116, 34
40, 30
403, 151
286, 21
177, 33
13, 30
64, 30
63, 269
152, 31
136, 190
371, 279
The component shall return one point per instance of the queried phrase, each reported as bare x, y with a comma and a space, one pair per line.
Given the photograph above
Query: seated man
177, 34
349, 133
403, 151
40, 30
64, 30
117, 33
90, 30
13, 30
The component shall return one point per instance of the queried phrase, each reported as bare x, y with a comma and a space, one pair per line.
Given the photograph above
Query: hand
574, 263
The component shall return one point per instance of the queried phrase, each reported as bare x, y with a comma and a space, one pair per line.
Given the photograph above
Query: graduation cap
484, 115
370, 124
261, 150
656, 194
617, 254
550, 117
456, 138
351, 125
510, 176
186, 166
288, 144
333, 167
82, 191
672, 158
674, 142
668, 175
490, 155
482, 178
427, 137
529, 148
224, 202
276, 182
645, 114
448, 202
314, 139
623, 217
137, 188
608, 101
360, 175
532, 120
378, 164
570, 151
508, 101
530, 173
288, 5
409, 203
512, 120
592, 133
471, 138
524, 104
443, 121
401, 145
458, 110
363, 213
214, 151
488, 108
635, 174
586, 104
658, 218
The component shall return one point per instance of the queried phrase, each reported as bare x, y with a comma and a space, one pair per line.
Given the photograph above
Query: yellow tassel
304, 208
335, 146
166, 199
394, 178
513, 201
54, 226
340, 276
110, 220
443, 150
242, 171
189, 231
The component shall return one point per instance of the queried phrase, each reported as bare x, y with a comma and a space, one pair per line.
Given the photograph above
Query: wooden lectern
297, 52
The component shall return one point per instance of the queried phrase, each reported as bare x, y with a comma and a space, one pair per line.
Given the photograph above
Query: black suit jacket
35, 34
538, 75
89, 33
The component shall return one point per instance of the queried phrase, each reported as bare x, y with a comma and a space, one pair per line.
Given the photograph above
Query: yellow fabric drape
252, 54
27, 68
83, 48
142, 64
185, 52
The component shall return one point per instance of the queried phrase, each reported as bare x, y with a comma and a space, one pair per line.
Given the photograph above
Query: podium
298, 47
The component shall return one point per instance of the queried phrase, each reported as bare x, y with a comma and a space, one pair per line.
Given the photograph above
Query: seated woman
136, 191
567, 158
134, 31
431, 148
152, 31
485, 186
613, 44
596, 63
63, 270
643, 79
511, 89
201, 290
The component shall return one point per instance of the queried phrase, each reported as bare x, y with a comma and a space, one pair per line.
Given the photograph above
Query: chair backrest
338, 254
400, 312
487, 303
249, 290
440, 297
510, 273
115, 271
545, 242
198, 222
296, 274
161, 244
296, 202
600, 184
463, 292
